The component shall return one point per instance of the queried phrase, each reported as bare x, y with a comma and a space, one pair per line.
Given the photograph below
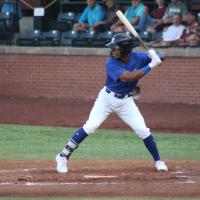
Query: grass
39, 142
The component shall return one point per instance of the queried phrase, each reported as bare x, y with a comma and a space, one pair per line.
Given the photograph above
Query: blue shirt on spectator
92, 15
132, 12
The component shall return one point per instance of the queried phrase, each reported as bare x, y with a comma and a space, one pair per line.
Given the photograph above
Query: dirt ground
98, 178
73, 113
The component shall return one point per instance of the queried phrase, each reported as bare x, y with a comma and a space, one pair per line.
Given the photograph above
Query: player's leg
98, 114
131, 115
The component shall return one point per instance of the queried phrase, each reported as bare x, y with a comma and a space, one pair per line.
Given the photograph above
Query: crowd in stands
175, 23
166, 23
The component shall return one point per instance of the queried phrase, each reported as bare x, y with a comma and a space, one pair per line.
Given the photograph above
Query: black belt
119, 96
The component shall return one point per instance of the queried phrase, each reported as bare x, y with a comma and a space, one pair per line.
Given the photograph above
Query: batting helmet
122, 41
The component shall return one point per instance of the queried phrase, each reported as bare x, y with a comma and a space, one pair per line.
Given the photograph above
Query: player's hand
155, 60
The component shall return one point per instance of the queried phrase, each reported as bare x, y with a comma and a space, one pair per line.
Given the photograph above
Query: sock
79, 136
73, 143
152, 147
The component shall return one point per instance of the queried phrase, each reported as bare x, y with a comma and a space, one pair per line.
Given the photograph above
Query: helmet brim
112, 45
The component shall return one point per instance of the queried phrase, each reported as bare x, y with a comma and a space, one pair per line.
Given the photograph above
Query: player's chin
115, 55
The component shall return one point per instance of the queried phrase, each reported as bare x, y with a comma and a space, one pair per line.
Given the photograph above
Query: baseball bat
128, 25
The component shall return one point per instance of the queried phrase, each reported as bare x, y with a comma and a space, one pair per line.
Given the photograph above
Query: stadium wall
30, 73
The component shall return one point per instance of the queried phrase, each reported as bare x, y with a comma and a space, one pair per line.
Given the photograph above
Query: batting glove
155, 60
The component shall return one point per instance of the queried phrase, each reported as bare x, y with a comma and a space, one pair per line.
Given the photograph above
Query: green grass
40, 142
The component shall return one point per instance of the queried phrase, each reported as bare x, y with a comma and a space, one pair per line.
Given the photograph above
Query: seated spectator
92, 14
175, 7
171, 34
158, 13
110, 8
191, 35
150, 20
133, 13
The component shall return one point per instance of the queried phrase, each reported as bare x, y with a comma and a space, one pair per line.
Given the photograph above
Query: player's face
115, 53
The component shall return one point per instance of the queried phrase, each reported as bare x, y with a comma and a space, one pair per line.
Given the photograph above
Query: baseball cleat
161, 166
61, 164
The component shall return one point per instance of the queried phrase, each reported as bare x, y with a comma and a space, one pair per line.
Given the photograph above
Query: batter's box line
60, 184
180, 170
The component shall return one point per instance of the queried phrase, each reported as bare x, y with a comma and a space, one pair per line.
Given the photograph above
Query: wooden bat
128, 25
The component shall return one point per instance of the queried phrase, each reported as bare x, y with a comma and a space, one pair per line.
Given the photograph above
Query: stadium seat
146, 36
5, 35
198, 17
102, 39
10, 20
64, 21
30, 38
50, 38
85, 39
77, 17
69, 37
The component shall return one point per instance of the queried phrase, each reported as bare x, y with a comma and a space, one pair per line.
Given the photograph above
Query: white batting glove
155, 60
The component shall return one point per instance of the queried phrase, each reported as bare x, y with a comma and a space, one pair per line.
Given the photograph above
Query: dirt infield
73, 113
99, 178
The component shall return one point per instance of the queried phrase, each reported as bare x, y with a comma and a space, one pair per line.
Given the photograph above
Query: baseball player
124, 68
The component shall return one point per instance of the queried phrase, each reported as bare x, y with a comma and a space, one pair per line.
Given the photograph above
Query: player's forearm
131, 76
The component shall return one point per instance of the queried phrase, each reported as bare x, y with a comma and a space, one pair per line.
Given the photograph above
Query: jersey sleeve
144, 59
83, 17
114, 70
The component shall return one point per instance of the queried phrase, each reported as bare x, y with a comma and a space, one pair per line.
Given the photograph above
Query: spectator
158, 13
175, 7
133, 13
172, 34
110, 8
191, 35
150, 20
92, 14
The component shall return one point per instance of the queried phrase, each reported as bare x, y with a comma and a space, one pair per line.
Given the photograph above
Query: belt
119, 96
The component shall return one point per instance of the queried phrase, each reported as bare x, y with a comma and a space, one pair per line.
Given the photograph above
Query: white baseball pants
125, 108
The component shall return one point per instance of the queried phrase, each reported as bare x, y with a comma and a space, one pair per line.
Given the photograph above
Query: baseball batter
124, 68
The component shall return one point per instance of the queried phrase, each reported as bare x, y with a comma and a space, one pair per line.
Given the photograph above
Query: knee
143, 132
90, 127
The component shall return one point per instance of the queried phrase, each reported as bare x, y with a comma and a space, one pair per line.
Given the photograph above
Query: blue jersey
114, 69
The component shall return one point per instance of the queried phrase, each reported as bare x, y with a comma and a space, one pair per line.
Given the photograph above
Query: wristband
146, 69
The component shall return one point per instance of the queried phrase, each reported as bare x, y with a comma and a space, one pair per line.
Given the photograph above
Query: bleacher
59, 31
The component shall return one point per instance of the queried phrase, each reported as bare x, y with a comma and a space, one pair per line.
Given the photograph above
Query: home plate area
100, 178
